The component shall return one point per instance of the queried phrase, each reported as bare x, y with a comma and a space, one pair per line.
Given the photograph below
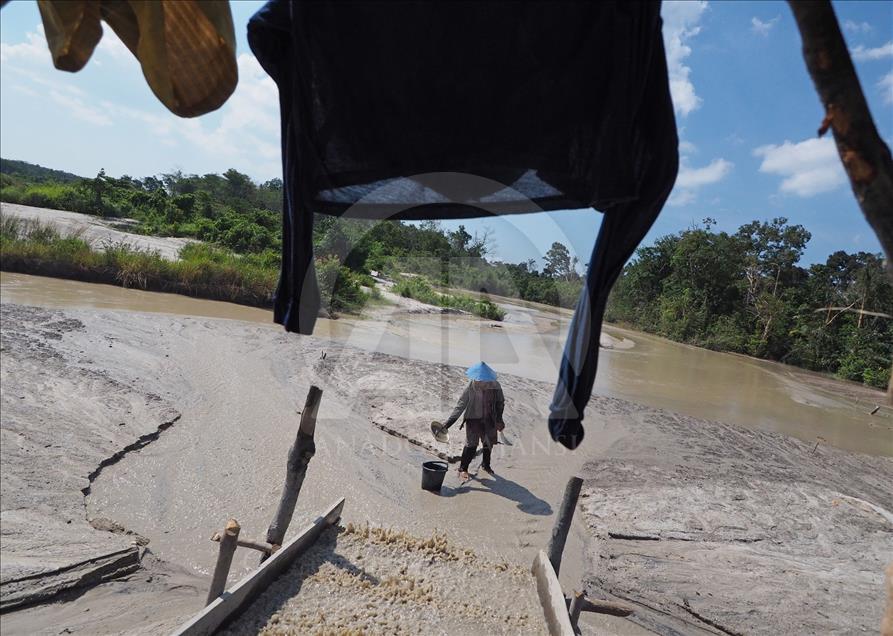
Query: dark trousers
477, 431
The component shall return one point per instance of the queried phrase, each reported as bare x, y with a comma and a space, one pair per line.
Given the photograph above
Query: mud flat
52, 449
707, 525
106, 381
172, 424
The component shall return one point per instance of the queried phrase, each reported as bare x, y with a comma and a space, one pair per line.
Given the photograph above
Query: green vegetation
419, 288
741, 292
745, 293
234, 214
203, 271
35, 173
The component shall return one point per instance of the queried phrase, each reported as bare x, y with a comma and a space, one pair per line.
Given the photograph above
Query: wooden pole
576, 607
563, 521
224, 559
299, 457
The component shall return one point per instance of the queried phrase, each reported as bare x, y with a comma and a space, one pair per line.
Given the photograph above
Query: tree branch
865, 156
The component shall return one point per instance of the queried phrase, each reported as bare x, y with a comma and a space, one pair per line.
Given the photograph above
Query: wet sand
237, 388
654, 371
744, 532
678, 494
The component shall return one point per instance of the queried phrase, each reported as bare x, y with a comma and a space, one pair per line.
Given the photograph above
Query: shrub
420, 289
339, 287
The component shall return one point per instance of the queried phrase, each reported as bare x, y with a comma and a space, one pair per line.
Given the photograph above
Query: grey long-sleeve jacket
472, 403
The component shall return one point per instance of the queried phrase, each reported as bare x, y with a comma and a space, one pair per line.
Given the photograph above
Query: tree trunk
865, 156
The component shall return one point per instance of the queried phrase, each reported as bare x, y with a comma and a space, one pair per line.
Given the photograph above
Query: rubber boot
467, 455
486, 463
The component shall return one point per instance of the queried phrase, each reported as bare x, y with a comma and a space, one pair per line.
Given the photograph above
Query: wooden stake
299, 457
224, 559
563, 521
576, 607
581, 603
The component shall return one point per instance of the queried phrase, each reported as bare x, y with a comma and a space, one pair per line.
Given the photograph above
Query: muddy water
656, 372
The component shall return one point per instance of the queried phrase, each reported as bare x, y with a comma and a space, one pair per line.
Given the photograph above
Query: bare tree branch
865, 156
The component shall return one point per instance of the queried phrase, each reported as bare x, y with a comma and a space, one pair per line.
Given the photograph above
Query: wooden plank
243, 592
551, 597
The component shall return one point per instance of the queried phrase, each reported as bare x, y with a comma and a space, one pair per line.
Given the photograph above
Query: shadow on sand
527, 502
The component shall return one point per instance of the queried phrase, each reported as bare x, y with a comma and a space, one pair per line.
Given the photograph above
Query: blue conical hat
482, 372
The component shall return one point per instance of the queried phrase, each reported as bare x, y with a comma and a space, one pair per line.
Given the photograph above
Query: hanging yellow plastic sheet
187, 49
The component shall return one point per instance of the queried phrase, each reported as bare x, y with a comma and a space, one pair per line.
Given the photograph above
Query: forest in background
743, 292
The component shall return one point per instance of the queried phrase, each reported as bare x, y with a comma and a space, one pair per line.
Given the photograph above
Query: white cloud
680, 26
33, 49
111, 47
808, 167
680, 198
714, 171
856, 27
74, 105
861, 54
247, 135
687, 148
886, 86
691, 179
762, 28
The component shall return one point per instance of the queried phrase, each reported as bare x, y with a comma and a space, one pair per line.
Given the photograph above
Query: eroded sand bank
237, 387
99, 232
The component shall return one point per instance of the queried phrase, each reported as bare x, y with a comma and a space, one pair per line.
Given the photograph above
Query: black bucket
432, 475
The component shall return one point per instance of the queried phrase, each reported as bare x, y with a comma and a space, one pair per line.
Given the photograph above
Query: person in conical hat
482, 402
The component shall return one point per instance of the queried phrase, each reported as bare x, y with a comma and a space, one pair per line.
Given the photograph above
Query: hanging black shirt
445, 110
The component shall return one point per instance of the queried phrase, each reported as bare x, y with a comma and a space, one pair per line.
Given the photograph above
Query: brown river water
640, 367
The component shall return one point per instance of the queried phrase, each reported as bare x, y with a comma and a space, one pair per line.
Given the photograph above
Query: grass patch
420, 289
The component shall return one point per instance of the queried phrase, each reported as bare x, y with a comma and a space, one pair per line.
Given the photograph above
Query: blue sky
746, 110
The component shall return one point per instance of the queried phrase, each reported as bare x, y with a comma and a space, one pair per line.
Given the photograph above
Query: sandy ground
705, 494
97, 231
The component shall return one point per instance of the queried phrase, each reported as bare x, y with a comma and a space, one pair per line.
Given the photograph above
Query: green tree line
746, 293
